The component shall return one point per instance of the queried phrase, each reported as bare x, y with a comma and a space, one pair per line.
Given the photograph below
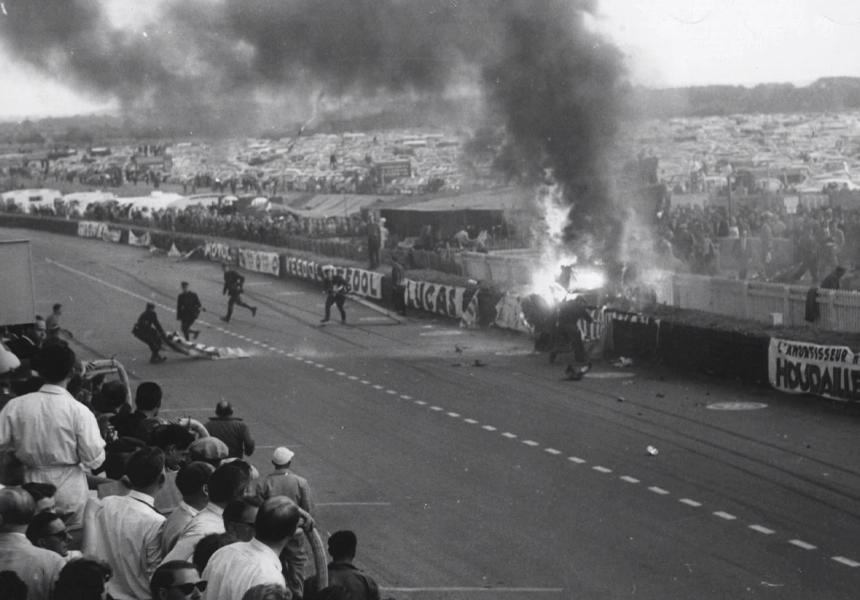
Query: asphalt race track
496, 481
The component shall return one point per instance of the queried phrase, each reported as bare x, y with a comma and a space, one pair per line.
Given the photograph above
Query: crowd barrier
831, 372
771, 303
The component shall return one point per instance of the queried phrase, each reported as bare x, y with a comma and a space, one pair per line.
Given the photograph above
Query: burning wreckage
562, 315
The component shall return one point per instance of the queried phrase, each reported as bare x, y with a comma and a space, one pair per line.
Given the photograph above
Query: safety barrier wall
272, 261
837, 310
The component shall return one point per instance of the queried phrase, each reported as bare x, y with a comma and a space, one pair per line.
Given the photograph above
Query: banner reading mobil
804, 368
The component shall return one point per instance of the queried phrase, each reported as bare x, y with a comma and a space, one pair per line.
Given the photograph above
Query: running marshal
802, 368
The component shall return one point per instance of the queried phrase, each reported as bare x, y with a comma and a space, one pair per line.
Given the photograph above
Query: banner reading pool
804, 368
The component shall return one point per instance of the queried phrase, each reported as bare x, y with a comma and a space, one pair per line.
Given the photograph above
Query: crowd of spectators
814, 240
100, 499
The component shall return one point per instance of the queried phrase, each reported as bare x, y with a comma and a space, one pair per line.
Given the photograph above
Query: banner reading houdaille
804, 368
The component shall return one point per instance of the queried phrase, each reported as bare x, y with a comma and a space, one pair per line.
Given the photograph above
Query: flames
561, 270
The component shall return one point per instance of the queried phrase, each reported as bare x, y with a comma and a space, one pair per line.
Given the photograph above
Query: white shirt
56, 437
235, 569
209, 520
126, 532
39, 568
176, 524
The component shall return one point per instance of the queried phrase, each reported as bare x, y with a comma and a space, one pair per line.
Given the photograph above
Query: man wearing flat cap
231, 430
284, 482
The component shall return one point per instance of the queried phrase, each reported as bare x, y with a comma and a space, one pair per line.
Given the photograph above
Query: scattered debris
620, 399
652, 450
458, 349
627, 382
659, 395
623, 361
478, 363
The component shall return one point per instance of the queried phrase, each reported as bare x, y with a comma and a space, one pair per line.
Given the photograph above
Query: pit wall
793, 367
770, 303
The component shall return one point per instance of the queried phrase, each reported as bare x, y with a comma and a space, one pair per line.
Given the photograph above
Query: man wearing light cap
231, 430
283, 482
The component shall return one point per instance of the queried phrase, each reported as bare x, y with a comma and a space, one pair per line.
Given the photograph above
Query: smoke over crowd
204, 64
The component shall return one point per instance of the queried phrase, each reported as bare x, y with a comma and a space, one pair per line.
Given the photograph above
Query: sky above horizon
667, 43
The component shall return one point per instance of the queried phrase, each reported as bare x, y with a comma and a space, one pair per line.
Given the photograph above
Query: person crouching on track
336, 289
149, 331
188, 308
233, 285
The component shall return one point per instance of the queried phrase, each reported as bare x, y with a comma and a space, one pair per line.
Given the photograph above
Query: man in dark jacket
148, 330
398, 286
188, 308
233, 285
341, 571
831, 282
231, 430
336, 289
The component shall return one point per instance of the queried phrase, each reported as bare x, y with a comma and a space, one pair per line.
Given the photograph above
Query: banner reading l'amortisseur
804, 368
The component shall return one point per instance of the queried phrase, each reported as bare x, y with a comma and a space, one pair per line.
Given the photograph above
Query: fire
550, 280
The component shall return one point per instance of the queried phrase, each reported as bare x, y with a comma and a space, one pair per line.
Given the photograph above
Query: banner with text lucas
804, 368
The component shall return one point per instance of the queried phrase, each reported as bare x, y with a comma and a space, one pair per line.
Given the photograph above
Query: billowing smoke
205, 64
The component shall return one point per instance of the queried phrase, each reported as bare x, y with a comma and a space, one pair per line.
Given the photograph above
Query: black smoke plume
202, 66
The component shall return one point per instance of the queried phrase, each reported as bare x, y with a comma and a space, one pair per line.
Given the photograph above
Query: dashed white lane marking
551, 451
453, 414
420, 402
600, 469
377, 387
319, 366
330, 369
341, 373
628, 479
437, 408
723, 515
846, 561
406, 397
470, 421
352, 503
365, 382
658, 490
762, 529
290, 355
509, 435
530, 443
392, 392
802, 544
471, 590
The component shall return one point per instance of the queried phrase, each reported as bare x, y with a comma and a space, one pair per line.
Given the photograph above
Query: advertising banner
435, 298
304, 269
91, 229
804, 368
111, 235
363, 283
139, 240
261, 262
219, 252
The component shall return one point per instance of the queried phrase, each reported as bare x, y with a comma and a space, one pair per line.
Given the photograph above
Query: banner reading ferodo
435, 298
804, 368
261, 262
91, 229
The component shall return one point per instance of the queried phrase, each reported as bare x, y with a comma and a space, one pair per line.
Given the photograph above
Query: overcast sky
668, 43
